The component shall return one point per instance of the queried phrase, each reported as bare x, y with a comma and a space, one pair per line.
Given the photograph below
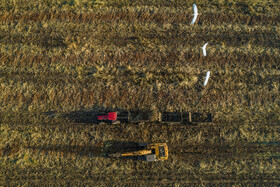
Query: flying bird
195, 13
206, 78
204, 49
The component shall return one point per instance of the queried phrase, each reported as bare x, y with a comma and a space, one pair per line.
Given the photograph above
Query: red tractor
111, 117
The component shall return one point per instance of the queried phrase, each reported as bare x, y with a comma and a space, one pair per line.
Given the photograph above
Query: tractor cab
110, 117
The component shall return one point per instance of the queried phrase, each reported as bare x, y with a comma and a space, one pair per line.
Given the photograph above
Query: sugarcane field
140, 93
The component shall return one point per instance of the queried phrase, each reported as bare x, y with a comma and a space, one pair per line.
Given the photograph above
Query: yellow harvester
147, 152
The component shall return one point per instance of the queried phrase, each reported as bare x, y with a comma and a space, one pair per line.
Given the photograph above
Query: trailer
156, 116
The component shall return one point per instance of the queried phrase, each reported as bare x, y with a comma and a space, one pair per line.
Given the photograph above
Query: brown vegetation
61, 59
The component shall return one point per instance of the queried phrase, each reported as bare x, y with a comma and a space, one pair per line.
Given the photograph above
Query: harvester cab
159, 151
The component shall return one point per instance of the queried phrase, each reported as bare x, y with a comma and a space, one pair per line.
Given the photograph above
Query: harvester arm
135, 153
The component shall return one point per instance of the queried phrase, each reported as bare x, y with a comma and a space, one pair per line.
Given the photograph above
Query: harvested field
61, 62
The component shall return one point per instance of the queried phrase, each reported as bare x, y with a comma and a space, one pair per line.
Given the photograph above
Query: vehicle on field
149, 152
155, 116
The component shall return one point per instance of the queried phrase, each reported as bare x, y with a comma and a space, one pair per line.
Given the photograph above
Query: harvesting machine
149, 152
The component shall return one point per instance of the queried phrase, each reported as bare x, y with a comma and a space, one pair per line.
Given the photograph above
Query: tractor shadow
90, 116
85, 116
133, 116
82, 116
109, 147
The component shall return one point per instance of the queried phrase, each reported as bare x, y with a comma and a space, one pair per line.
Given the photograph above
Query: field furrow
62, 62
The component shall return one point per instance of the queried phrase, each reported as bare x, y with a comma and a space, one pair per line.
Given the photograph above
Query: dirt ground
62, 62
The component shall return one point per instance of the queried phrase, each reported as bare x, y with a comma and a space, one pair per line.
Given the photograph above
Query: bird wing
207, 78
205, 45
195, 9
194, 18
204, 49
195, 13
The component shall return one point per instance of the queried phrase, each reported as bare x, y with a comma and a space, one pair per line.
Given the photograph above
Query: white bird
206, 78
195, 13
204, 49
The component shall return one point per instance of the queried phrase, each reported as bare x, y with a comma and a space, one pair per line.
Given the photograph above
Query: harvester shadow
112, 147
109, 147
89, 151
